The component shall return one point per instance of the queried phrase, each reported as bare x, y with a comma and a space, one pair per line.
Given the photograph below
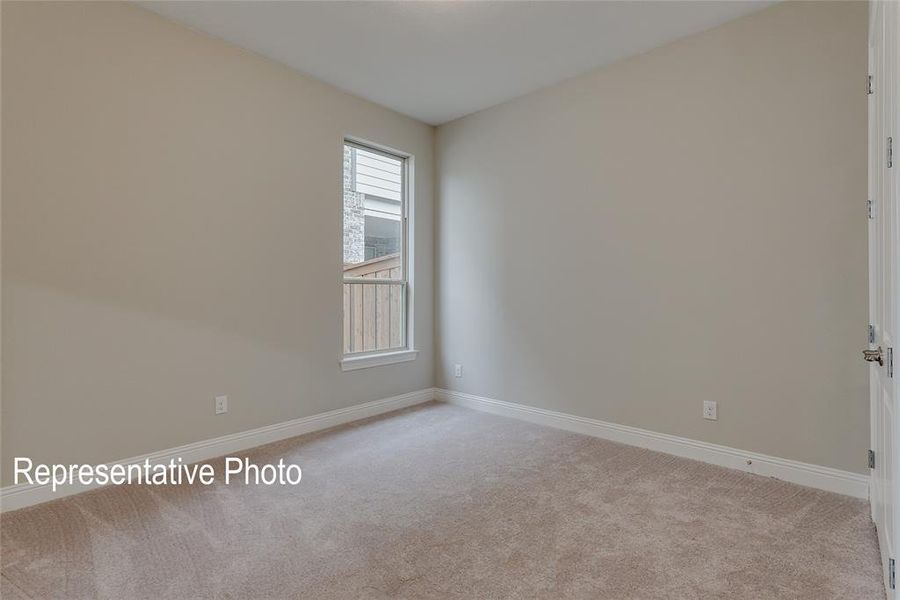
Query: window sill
352, 363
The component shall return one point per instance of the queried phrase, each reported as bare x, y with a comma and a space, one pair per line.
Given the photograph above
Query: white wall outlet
457, 370
710, 410
221, 404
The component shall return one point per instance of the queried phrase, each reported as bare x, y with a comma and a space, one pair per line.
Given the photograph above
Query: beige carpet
443, 502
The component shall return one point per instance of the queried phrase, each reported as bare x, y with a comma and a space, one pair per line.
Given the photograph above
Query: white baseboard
824, 478
22, 495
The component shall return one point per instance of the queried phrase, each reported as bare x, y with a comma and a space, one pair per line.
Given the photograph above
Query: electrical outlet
457, 370
710, 410
221, 404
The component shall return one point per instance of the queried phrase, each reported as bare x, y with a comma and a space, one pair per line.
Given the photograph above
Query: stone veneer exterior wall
354, 217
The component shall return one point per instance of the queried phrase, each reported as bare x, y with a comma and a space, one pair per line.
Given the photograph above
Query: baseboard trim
824, 478
20, 496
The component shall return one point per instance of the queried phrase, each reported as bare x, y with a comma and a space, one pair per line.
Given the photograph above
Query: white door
884, 117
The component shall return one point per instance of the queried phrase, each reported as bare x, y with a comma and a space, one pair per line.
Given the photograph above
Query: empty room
449, 299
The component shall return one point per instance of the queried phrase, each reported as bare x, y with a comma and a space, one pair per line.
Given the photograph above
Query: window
376, 306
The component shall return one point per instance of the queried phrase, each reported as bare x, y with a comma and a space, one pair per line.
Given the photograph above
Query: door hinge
890, 152
870, 208
871, 459
892, 574
871, 334
869, 89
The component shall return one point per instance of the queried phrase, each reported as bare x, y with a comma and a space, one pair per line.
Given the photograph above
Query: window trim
408, 352
352, 362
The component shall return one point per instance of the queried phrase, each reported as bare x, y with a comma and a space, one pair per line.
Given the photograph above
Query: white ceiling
439, 60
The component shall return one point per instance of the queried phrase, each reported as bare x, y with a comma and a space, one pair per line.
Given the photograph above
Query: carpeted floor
442, 502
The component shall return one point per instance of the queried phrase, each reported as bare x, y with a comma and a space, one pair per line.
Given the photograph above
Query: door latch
874, 356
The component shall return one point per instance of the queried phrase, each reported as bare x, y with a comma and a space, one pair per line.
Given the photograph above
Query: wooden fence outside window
374, 316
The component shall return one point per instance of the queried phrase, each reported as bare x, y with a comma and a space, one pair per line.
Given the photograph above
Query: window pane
374, 317
382, 237
373, 212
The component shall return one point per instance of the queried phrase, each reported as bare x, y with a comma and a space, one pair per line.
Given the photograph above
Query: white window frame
375, 358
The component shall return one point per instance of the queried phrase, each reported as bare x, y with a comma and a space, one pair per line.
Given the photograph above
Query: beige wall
682, 226
662, 231
172, 231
